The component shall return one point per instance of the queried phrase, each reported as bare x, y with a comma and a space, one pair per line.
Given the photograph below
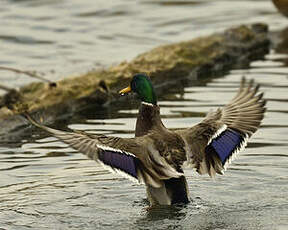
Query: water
46, 185
67, 37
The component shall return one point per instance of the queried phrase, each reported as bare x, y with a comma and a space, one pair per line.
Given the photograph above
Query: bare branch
29, 73
6, 88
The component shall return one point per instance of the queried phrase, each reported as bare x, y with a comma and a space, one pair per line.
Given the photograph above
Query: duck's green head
142, 86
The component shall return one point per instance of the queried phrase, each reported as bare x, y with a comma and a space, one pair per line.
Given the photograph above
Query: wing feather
136, 158
210, 146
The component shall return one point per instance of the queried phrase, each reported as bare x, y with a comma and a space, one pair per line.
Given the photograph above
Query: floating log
195, 59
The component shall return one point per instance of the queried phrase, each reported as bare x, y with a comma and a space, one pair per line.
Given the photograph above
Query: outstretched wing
131, 157
212, 144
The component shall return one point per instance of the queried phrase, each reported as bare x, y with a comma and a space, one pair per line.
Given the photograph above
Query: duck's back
174, 190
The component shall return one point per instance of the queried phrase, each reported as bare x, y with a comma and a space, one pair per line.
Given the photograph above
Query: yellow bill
126, 90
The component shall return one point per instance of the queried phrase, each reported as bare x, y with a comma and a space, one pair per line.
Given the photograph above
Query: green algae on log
197, 58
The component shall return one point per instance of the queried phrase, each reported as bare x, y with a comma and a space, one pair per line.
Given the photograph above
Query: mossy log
197, 58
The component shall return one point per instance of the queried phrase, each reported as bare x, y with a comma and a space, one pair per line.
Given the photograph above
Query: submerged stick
5, 88
30, 74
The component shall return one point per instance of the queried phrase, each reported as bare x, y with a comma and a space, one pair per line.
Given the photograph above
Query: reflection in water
282, 47
164, 217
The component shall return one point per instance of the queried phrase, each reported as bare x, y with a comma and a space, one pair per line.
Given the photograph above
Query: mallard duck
155, 155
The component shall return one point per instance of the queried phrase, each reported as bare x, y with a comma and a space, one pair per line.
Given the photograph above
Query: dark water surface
46, 185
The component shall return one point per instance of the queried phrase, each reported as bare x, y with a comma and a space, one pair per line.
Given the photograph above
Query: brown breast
148, 118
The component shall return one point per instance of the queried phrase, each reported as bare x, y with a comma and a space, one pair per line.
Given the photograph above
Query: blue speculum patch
119, 160
225, 144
